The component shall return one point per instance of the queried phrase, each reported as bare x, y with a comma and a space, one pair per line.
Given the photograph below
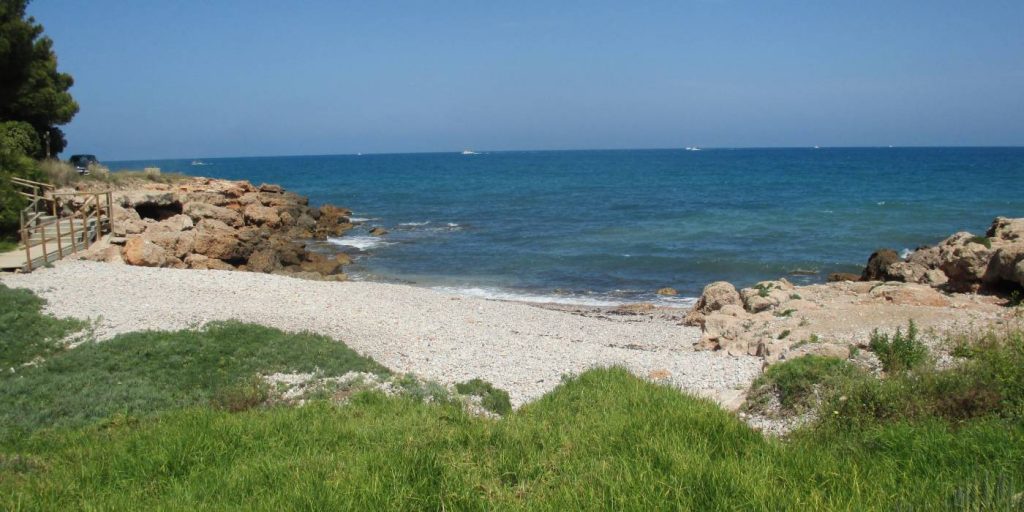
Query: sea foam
362, 243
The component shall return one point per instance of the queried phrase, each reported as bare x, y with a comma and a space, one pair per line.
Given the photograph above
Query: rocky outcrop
776, 320
963, 262
213, 224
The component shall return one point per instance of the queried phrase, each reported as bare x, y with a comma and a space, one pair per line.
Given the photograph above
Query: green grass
8, 245
602, 440
141, 373
25, 332
166, 421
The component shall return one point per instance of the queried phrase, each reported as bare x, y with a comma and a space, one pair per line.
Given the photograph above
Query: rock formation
203, 223
776, 320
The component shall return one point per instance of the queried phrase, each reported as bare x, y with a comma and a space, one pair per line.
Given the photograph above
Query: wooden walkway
47, 237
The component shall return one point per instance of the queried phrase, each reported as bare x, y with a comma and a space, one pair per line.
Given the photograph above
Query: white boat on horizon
692, 148
199, 162
469, 152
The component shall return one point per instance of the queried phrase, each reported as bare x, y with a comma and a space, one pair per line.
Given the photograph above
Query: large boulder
262, 216
125, 221
766, 295
878, 265
1007, 263
141, 252
321, 264
199, 211
175, 243
173, 224
217, 240
264, 260
713, 298
723, 332
964, 258
910, 295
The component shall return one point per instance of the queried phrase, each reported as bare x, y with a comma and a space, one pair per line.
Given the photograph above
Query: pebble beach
521, 348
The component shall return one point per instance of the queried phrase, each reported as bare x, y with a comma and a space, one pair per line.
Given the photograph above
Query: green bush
493, 399
990, 383
901, 352
242, 395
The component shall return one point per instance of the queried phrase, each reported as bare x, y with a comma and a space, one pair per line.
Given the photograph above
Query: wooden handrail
92, 210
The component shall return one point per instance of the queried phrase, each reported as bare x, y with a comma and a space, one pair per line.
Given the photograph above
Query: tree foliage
32, 90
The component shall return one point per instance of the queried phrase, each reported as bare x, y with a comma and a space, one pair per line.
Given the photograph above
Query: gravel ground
518, 347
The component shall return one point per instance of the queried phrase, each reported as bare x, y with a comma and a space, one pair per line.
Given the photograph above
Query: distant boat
817, 147
692, 148
469, 152
199, 162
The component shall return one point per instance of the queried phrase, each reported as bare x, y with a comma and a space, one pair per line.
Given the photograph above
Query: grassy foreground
604, 439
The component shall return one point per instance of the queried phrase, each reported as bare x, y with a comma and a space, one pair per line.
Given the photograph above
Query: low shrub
243, 395
799, 384
493, 399
901, 352
982, 240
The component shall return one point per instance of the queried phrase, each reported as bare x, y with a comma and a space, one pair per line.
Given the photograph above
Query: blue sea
608, 227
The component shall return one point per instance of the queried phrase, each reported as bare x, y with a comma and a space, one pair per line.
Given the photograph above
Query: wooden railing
90, 213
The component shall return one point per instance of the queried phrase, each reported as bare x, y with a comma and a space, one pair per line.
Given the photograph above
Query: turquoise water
593, 226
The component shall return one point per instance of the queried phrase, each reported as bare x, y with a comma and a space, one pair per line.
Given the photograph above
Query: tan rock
200, 211
910, 295
964, 260
216, 240
378, 231
667, 291
176, 244
200, 262
173, 224
1007, 262
262, 216
271, 188
141, 252
714, 297
264, 260
1006, 229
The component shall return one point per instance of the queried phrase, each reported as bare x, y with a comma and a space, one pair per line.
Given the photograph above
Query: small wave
362, 243
359, 220
568, 300
881, 203
496, 294
414, 224
676, 302
905, 253
453, 225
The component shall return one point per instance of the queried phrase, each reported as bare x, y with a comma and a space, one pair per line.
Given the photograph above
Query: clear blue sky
234, 78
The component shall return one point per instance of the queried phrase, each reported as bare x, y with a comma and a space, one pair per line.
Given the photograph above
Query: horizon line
486, 151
